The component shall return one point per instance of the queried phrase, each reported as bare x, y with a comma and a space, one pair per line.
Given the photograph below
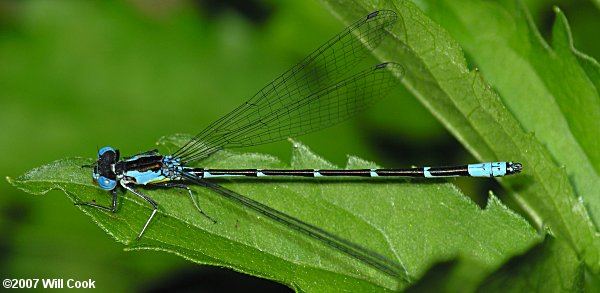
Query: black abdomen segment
407, 172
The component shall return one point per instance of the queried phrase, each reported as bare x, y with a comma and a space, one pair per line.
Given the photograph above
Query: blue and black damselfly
317, 92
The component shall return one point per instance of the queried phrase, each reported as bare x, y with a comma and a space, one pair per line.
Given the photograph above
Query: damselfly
317, 92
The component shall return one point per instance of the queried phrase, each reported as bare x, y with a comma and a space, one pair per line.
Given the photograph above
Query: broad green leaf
415, 223
534, 271
542, 269
552, 90
546, 88
438, 75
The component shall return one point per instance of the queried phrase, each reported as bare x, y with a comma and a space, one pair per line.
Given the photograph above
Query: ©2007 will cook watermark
48, 284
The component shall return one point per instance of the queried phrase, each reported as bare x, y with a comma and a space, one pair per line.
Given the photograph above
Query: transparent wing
363, 254
309, 96
313, 112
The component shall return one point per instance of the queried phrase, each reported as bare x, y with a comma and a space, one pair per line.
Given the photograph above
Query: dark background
78, 75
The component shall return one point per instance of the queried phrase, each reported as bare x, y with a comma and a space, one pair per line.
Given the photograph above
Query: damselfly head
103, 172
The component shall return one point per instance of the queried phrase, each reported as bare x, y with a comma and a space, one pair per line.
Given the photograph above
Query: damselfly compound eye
106, 183
104, 150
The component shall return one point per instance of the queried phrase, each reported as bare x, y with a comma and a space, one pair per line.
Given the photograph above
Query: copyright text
48, 283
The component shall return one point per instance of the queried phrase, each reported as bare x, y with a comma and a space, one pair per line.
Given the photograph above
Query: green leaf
545, 268
415, 223
555, 93
438, 75
534, 271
